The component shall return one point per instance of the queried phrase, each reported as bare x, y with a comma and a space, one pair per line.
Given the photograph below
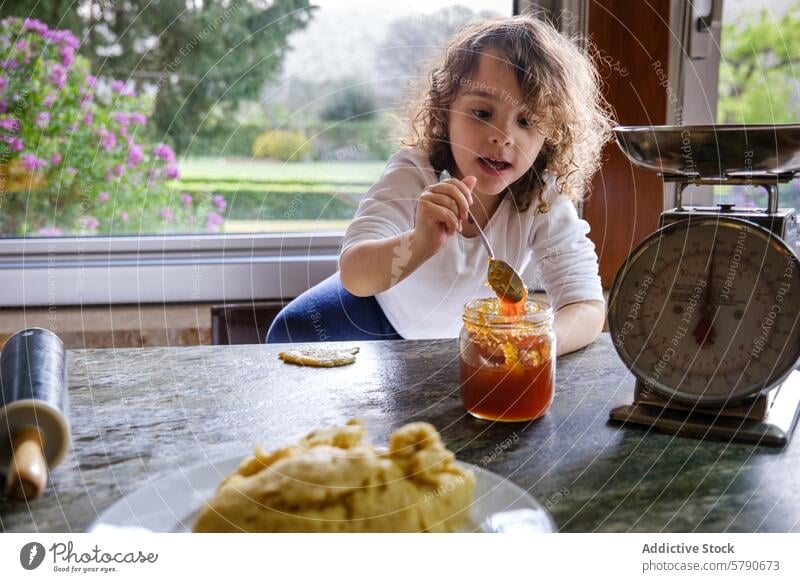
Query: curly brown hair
561, 87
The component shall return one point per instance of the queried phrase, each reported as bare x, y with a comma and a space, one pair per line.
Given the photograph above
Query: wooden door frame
632, 43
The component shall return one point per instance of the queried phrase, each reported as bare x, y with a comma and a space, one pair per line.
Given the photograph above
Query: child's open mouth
493, 167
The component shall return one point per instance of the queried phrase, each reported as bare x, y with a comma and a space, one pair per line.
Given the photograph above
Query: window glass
758, 79
230, 116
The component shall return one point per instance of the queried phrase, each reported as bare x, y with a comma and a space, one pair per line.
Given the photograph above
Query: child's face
491, 134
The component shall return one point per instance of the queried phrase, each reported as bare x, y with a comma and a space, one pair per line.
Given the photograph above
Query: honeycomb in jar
516, 348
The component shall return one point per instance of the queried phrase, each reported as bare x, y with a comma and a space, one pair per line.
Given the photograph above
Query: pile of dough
332, 481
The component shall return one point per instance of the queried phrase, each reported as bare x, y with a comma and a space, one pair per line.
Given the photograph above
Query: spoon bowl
506, 282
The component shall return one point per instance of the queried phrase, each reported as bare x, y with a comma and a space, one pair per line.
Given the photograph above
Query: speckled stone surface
138, 414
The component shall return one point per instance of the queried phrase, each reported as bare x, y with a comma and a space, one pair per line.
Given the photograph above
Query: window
758, 80
210, 151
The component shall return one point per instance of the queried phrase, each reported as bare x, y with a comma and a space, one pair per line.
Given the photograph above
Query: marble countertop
139, 414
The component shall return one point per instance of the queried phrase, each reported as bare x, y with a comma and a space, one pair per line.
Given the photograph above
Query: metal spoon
503, 279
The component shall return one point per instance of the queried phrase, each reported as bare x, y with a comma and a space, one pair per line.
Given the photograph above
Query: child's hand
440, 211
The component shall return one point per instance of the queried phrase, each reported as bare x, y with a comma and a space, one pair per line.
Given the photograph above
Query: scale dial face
708, 312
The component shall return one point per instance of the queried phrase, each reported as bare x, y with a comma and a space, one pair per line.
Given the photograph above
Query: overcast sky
735, 8
340, 40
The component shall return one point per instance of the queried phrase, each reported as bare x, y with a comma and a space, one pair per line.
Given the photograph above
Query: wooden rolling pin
34, 427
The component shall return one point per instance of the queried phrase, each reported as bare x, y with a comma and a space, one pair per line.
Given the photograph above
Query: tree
351, 102
189, 54
414, 41
757, 70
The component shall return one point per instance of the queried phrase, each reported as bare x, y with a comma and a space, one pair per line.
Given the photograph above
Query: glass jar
507, 362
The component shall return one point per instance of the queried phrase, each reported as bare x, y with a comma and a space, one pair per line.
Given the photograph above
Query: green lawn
276, 187
214, 169
268, 196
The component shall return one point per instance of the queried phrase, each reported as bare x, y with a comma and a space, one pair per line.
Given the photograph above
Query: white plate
170, 504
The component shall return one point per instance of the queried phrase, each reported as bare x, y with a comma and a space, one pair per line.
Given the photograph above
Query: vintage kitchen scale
705, 311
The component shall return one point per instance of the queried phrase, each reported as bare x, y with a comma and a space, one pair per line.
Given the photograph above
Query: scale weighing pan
707, 151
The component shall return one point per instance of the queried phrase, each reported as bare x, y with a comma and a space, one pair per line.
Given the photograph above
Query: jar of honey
508, 362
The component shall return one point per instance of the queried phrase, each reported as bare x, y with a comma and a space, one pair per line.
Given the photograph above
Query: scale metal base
768, 420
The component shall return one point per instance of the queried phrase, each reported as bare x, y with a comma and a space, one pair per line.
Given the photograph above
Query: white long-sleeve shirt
429, 303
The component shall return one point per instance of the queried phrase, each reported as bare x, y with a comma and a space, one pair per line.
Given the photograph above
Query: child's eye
481, 113
525, 122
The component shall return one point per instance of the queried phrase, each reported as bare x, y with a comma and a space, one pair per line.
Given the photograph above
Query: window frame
179, 268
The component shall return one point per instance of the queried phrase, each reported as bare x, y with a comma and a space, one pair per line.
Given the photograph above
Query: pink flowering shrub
76, 155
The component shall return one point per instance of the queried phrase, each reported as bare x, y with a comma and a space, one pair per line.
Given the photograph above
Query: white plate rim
188, 488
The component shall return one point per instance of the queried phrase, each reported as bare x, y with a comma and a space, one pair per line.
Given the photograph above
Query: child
514, 115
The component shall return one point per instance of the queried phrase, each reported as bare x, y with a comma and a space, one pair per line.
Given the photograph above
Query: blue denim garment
328, 312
